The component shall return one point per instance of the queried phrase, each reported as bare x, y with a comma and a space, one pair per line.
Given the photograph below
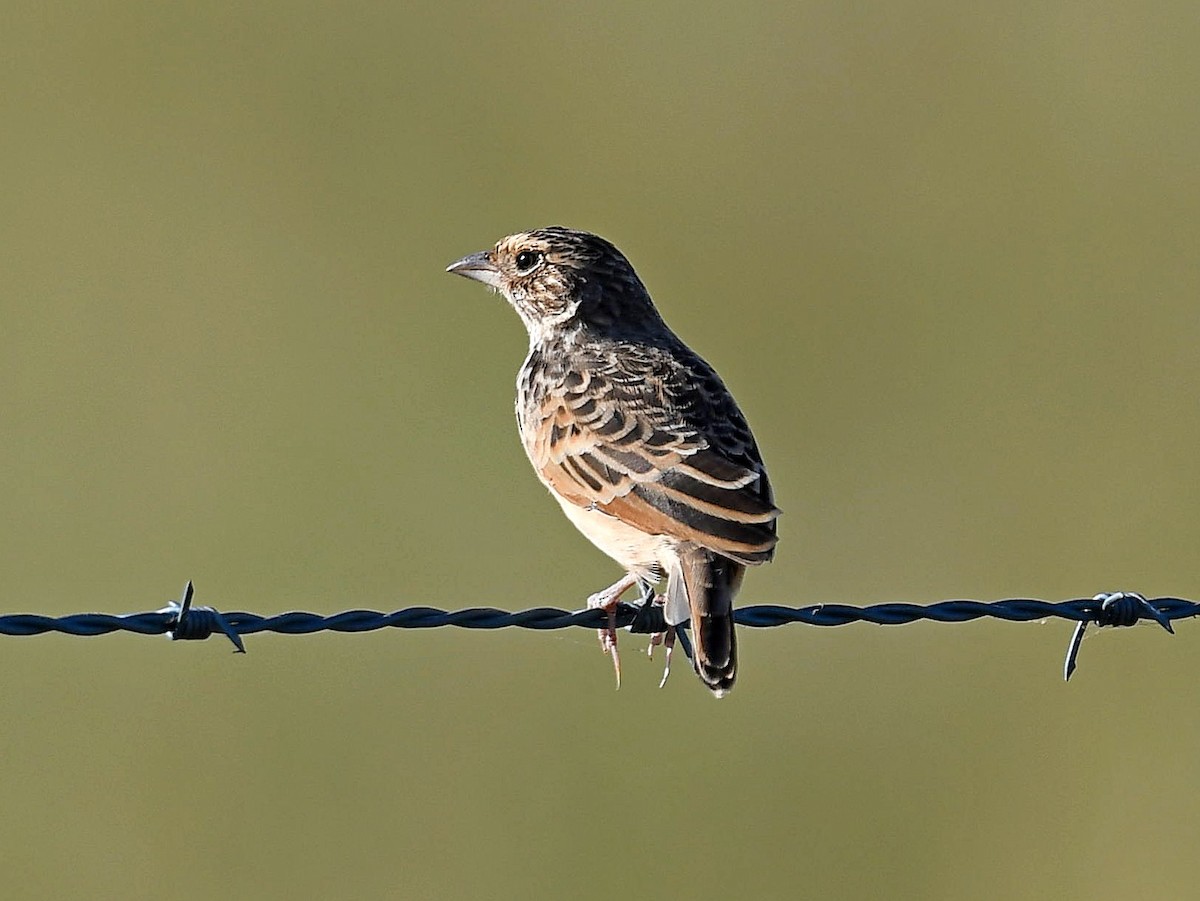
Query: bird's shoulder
659, 381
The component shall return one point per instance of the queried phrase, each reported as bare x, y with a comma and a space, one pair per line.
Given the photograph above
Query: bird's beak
478, 266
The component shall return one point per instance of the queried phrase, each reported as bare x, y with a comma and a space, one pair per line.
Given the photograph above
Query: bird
636, 437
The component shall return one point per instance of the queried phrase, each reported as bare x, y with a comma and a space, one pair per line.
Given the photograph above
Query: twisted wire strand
205, 621
181, 620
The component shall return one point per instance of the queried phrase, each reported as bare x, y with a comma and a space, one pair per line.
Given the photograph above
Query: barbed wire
181, 620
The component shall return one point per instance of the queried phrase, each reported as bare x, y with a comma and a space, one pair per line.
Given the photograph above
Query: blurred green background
946, 256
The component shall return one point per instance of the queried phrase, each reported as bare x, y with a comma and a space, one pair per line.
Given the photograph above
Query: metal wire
183, 621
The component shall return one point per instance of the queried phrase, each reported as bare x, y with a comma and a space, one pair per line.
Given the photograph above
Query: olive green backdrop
945, 254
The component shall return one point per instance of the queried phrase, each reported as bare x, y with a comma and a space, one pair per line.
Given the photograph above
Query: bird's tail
704, 584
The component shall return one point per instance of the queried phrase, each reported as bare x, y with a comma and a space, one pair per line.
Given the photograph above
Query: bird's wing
658, 443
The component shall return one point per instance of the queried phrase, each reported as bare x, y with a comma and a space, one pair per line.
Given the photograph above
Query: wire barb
197, 623
1117, 608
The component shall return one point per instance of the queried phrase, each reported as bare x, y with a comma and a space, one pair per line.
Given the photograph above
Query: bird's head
557, 278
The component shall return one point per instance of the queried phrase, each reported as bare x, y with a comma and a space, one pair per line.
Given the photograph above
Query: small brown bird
635, 436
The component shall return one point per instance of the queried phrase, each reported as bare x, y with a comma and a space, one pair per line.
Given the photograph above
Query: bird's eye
527, 261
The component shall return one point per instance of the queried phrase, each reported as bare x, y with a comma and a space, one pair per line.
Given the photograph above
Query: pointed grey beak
478, 266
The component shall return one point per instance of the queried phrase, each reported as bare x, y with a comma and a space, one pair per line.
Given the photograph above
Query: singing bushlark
635, 435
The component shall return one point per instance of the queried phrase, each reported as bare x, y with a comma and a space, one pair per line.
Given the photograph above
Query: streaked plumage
633, 433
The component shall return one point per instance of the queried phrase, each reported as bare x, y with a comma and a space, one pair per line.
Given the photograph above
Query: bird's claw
608, 644
667, 640
607, 602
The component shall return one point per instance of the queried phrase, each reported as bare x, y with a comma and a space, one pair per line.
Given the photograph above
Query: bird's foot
607, 601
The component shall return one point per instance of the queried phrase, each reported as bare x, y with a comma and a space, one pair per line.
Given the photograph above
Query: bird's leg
606, 600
